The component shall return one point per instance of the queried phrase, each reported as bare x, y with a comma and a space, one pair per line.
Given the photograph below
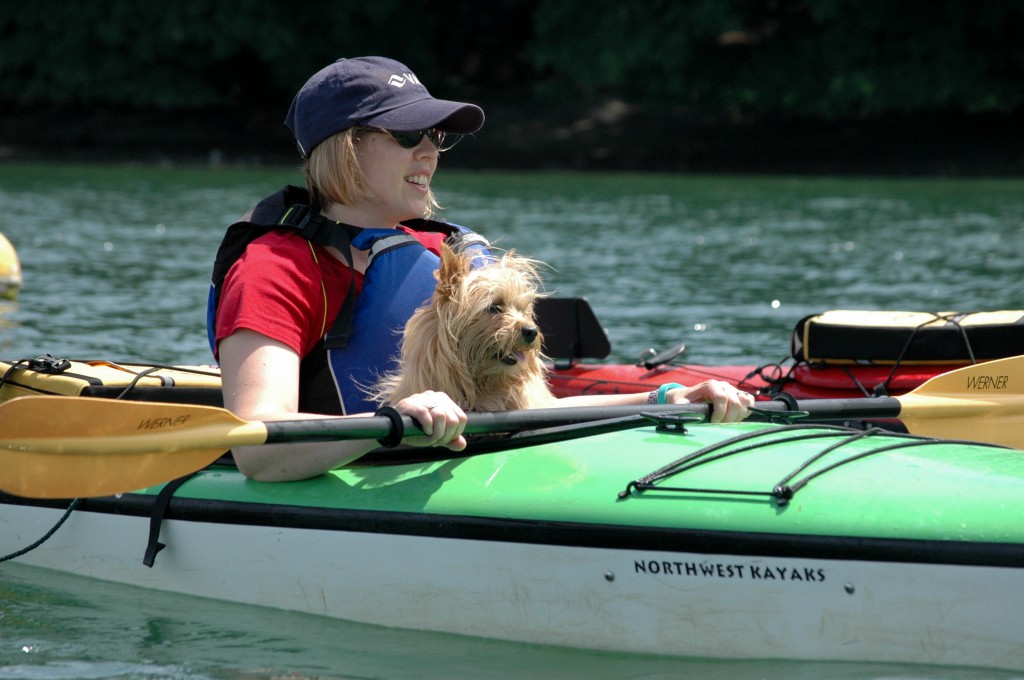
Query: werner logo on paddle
163, 423
981, 383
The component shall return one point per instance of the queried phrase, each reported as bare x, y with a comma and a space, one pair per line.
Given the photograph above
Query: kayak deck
800, 480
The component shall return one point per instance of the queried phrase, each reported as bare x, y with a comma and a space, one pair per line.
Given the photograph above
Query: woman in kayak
298, 322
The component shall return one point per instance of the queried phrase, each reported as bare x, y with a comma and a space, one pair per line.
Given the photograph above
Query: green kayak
727, 541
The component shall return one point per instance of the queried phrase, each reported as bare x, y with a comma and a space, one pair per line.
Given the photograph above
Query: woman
298, 319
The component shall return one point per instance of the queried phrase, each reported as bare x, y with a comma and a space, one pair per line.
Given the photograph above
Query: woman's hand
440, 418
728, 404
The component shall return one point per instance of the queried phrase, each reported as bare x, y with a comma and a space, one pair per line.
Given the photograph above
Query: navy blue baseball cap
375, 92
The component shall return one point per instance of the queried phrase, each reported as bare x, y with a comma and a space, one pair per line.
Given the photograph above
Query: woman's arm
728, 404
260, 379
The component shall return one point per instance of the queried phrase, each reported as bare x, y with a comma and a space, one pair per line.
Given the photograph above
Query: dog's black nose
529, 334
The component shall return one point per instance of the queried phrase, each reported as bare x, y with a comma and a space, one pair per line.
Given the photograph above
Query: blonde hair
333, 173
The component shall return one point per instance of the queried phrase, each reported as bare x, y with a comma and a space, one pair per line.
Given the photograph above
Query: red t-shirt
289, 289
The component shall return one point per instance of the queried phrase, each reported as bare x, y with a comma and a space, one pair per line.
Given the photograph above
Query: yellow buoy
10, 270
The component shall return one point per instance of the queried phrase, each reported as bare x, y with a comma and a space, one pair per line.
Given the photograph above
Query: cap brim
455, 117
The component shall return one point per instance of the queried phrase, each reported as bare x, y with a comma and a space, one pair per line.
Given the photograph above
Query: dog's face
476, 340
488, 313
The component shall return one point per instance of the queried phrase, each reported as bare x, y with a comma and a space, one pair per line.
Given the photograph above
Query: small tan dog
477, 340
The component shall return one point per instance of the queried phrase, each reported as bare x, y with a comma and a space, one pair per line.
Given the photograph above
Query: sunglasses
410, 140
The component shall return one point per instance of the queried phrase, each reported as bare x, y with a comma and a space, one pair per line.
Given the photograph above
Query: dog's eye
494, 309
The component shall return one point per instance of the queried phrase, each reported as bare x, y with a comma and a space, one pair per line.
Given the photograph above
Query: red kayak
802, 381
834, 355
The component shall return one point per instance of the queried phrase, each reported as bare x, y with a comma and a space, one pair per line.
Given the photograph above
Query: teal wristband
663, 391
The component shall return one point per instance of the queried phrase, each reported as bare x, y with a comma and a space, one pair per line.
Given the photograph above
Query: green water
116, 259
116, 262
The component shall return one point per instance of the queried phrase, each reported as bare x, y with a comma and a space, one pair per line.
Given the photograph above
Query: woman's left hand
728, 404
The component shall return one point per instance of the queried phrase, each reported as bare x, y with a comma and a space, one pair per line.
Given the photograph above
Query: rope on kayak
786, 488
775, 375
789, 490
51, 532
720, 450
45, 363
953, 318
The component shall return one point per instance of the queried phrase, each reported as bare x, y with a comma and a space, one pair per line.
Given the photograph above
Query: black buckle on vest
297, 216
311, 225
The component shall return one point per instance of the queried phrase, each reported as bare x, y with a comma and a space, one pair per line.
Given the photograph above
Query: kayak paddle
70, 447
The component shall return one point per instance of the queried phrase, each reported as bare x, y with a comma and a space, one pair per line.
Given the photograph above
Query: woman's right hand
729, 404
440, 418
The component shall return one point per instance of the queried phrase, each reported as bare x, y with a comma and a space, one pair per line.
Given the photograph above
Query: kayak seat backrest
571, 330
896, 337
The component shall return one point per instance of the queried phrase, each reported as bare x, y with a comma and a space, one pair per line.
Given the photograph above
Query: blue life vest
363, 341
399, 278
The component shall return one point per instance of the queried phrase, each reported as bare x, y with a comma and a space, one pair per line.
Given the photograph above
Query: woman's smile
422, 181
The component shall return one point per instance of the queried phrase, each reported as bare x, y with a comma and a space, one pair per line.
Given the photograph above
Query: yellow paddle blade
983, 402
77, 447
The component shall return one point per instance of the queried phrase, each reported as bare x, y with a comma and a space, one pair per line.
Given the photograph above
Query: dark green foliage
208, 53
718, 59
807, 58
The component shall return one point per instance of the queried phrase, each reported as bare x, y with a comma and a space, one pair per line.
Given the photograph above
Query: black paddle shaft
838, 409
379, 427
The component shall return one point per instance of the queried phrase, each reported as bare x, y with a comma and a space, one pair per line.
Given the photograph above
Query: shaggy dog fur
477, 340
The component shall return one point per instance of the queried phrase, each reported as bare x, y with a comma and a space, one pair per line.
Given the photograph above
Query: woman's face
398, 178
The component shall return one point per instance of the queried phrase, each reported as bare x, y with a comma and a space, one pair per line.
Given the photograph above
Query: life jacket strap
316, 228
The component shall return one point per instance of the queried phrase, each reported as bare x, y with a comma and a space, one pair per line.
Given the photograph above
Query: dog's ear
454, 268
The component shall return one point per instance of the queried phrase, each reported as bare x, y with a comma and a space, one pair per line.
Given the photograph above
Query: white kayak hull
622, 600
